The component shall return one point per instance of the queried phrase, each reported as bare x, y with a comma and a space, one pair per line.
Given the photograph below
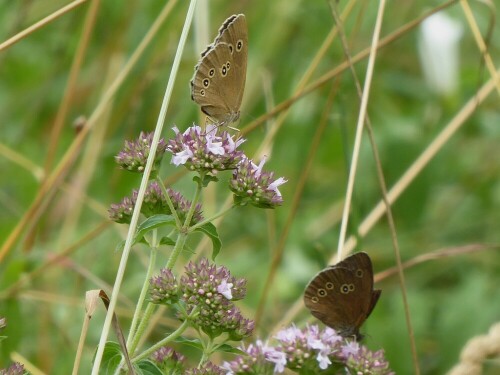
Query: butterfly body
342, 295
219, 79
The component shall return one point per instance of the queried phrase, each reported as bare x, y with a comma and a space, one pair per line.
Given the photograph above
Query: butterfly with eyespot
219, 78
342, 295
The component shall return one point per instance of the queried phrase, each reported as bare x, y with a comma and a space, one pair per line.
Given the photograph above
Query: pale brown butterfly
342, 295
219, 78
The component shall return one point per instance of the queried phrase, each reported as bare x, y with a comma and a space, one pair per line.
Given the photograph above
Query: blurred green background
453, 202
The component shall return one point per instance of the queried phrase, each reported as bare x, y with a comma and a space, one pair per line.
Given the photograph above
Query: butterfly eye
228, 65
239, 45
359, 273
351, 287
211, 72
231, 48
206, 82
329, 285
322, 293
202, 92
314, 299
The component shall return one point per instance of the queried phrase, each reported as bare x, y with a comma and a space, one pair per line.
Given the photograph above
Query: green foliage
111, 358
146, 367
206, 180
211, 231
153, 222
194, 343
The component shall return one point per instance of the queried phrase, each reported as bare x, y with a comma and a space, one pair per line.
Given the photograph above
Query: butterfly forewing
209, 82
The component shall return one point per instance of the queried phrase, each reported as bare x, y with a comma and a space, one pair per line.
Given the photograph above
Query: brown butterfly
342, 295
219, 78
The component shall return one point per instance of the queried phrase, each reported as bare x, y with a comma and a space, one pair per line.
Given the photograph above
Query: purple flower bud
154, 203
205, 151
135, 153
365, 361
256, 361
207, 287
251, 185
122, 212
164, 288
309, 351
208, 369
168, 359
14, 369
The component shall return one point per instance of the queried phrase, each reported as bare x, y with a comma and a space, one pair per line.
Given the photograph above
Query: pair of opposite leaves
342, 295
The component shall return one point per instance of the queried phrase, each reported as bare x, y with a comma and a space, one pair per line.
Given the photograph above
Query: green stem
182, 236
142, 326
147, 171
145, 287
207, 350
194, 202
179, 245
212, 218
169, 202
166, 340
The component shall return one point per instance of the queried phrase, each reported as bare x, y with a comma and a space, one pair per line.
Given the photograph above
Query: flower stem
142, 326
207, 350
192, 208
212, 218
166, 340
169, 201
179, 245
142, 189
182, 236
145, 287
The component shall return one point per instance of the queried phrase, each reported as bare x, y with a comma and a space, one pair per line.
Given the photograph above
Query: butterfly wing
234, 32
342, 295
219, 79
210, 84
361, 261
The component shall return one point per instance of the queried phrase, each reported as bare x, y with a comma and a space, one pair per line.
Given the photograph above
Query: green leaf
240, 201
146, 367
206, 180
211, 231
195, 343
226, 348
188, 250
151, 223
167, 241
111, 358
119, 246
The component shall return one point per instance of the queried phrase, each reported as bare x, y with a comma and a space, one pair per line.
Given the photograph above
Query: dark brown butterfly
219, 78
342, 295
